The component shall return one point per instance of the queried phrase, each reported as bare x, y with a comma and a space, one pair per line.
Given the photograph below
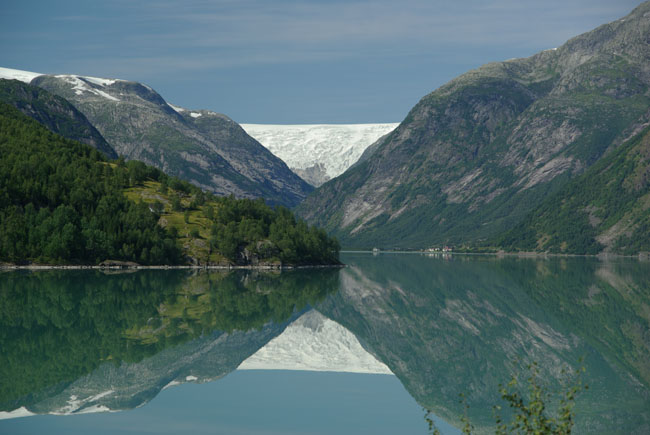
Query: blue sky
284, 61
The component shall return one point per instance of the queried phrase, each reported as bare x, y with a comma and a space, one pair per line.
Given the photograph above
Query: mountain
604, 210
318, 152
62, 202
54, 112
475, 156
203, 147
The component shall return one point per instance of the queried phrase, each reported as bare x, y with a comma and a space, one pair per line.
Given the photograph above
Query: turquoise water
78, 341
256, 402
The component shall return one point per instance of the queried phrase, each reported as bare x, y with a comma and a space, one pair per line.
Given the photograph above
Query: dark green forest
243, 228
62, 202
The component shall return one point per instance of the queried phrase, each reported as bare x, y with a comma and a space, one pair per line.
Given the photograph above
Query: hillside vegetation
62, 202
606, 209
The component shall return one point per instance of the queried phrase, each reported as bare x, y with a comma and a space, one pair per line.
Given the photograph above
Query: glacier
318, 152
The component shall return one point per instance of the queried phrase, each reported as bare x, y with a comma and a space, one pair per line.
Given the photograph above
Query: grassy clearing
191, 223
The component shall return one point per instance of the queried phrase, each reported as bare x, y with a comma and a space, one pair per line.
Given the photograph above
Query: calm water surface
358, 350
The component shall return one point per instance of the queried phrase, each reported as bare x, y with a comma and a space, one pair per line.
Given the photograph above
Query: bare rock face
472, 158
314, 175
203, 147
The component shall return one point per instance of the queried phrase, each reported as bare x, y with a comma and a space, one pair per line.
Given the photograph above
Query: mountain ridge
473, 157
203, 147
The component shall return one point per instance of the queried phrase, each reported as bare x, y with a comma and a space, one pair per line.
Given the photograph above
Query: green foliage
176, 203
158, 207
61, 202
208, 212
531, 413
249, 228
164, 186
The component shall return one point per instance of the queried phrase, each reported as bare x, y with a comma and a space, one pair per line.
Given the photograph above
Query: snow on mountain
80, 84
315, 343
16, 74
176, 108
324, 150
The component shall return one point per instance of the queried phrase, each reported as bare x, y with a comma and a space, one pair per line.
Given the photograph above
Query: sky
288, 61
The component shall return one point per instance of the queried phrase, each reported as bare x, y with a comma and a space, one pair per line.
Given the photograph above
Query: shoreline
603, 256
162, 267
607, 256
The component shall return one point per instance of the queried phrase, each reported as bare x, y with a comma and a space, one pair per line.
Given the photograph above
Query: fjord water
78, 342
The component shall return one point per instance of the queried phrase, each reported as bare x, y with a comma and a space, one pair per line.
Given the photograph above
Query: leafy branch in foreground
530, 414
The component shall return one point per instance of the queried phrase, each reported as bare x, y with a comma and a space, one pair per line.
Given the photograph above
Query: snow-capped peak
80, 84
16, 74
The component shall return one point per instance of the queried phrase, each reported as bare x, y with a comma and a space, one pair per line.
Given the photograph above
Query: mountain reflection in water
76, 341
84, 341
464, 325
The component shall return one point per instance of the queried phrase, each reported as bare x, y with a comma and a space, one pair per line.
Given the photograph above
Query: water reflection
81, 341
463, 326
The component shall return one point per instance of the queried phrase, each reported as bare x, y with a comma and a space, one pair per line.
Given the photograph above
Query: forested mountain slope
62, 202
475, 156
